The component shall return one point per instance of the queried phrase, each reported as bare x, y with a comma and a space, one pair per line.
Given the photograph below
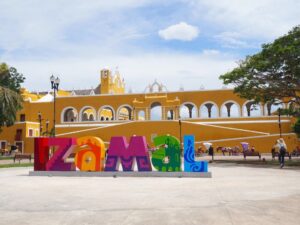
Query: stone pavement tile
283, 211
130, 216
235, 195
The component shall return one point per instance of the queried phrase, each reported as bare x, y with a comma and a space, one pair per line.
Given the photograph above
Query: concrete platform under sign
121, 174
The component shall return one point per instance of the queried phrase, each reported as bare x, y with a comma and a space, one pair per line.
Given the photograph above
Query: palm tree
10, 103
10, 98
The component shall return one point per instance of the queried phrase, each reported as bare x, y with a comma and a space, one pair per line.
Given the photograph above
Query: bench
252, 154
276, 154
4, 151
234, 152
19, 157
296, 152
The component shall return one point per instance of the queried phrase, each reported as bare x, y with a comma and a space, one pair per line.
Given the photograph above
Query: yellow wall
9, 134
217, 135
259, 131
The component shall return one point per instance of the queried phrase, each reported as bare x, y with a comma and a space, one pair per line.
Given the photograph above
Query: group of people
13, 149
280, 147
209, 150
231, 150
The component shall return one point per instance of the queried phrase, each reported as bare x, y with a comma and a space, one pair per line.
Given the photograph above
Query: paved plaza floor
235, 195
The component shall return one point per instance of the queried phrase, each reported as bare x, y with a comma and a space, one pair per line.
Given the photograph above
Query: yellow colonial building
216, 116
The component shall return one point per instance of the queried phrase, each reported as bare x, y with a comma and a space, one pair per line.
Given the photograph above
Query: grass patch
6, 157
16, 165
293, 162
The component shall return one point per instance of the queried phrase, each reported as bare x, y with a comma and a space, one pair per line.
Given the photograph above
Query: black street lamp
180, 136
54, 86
40, 121
279, 121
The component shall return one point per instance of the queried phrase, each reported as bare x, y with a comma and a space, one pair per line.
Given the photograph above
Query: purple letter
119, 148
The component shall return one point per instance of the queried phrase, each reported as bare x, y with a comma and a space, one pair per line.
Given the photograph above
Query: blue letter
189, 157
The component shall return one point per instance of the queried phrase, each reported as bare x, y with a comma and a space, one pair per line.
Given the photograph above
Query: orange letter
90, 157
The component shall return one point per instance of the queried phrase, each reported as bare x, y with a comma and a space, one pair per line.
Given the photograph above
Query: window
22, 118
30, 132
18, 136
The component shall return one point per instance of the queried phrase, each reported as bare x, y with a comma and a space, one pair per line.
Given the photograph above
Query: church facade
217, 116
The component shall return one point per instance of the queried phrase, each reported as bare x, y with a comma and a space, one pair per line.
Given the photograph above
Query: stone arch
271, 108
91, 117
227, 109
106, 111
292, 104
188, 110
170, 114
141, 115
209, 109
69, 114
85, 116
156, 87
250, 109
86, 112
124, 115
156, 111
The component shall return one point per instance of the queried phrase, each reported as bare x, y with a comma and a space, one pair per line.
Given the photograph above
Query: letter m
120, 151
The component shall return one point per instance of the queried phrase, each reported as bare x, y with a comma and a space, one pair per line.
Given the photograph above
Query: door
3, 145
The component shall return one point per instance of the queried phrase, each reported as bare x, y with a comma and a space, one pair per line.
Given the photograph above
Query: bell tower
106, 80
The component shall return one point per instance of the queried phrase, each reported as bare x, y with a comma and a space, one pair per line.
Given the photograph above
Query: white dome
47, 98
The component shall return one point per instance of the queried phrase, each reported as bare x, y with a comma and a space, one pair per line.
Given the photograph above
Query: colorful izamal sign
91, 154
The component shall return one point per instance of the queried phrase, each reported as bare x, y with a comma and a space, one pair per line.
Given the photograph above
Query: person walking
211, 152
282, 150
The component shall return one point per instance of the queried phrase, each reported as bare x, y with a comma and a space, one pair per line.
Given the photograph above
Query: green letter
167, 157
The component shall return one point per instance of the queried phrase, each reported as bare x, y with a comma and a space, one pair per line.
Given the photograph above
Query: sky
181, 43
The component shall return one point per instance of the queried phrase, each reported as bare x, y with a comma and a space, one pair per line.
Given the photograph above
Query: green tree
271, 74
297, 127
10, 98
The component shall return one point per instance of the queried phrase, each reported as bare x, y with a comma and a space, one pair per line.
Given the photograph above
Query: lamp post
54, 86
47, 127
40, 121
279, 121
180, 136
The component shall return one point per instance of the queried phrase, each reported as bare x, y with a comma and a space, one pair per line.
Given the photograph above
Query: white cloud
259, 19
181, 31
138, 70
211, 52
233, 40
35, 24
75, 39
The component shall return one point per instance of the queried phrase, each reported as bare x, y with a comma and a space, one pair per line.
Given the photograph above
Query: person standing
211, 152
282, 150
